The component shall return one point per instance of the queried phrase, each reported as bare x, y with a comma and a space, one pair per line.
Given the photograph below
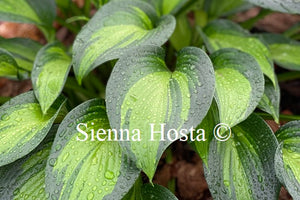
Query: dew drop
65, 157
58, 147
52, 162
90, 196
260, 179
109, 175
5, 117
16, 192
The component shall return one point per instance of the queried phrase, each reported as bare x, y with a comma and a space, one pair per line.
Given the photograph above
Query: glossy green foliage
284, 51
114, 29
143, 91
51, 68
85, 165
8, 65
287, 159
18, 47
220, 34
39, 12
23, 126
243, 166
288, 6
25, 178
239, 85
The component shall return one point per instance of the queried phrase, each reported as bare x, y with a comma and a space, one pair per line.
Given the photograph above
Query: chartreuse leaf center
226, 34
287, 158
18, 47
147, 99
243, 166
23, 126
49, 74
85, 165
9, 67
116, 27
284, 51
239, 85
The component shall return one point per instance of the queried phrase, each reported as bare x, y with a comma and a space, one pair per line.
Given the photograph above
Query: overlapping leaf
156, 192
243, 166
208, 124
8, 65
226, 34
288, 6
23, 126
99, 3
82, 163
182, 35
116, 27
239, 85
142, 91
284, 51
49, 74
19, 48
63, 4
39, 12
215, 9
271, 99
148, 192
287, 159
172, 6
25, 178
164, 7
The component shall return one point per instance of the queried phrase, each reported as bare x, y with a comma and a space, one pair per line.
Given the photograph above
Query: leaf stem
62, 22
72, 84
87, 8
295, 29
186, 7
248, 24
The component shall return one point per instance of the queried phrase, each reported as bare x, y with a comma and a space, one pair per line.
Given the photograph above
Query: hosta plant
139, 76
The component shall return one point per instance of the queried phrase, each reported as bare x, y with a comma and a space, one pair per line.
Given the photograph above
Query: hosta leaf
63, 4
51, 68
39, 12
143, 91
271, 99
208, 124
215, 9
156, 192
18, 47
284, 51
239, 85
82, 167
172, 6
135, 192
148, 192
25, 178
226, 34
182, 35
23, 126
288, 6
287, 158
8, 65
243, 166
164, 7
99, 3
116, 27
